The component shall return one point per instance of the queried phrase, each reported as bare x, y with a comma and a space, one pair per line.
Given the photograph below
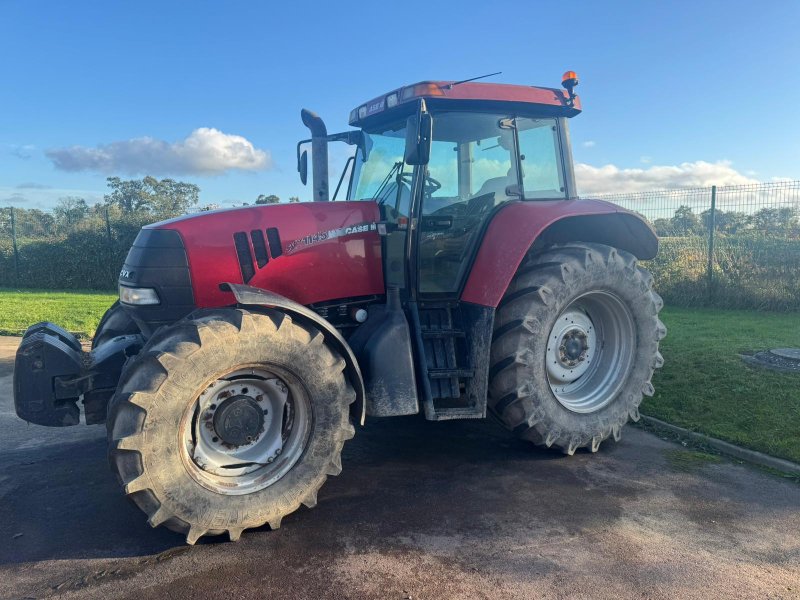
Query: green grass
706, 387
703, 386
78, 312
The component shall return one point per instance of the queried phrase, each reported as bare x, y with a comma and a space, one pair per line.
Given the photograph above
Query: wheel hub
589, 351
240, 427
238, 420
570, 347
573, 347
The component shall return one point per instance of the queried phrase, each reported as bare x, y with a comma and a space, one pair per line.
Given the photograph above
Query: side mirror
419, 130
302, 166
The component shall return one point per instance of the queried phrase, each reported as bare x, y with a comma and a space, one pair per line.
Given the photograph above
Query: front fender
250, 296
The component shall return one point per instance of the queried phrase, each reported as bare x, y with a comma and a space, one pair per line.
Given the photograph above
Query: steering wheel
431, 185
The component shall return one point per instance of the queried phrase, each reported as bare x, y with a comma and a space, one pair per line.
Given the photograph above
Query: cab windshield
379, 169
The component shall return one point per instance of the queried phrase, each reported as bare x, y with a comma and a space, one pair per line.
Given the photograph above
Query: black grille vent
274, 242
259, 247
244, 256
245, 253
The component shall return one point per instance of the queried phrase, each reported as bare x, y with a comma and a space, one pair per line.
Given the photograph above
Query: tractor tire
115, 322
187, 438
575, 345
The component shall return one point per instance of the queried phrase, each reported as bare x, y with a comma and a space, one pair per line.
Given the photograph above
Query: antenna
455, 83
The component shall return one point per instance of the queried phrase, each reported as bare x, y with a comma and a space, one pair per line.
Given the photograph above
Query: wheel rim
246, 430
590, 351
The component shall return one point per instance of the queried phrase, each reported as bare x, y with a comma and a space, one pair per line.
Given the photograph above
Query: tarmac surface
423, 511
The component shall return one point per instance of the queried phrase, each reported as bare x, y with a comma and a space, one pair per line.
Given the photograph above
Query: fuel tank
308, 252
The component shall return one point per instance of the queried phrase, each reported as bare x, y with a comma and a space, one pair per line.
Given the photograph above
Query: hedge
84, 259
750, 271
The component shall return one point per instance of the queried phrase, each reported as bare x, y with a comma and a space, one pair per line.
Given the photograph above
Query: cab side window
540, 157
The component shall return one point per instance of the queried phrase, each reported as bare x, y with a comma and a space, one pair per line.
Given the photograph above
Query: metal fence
62, 249
733, 246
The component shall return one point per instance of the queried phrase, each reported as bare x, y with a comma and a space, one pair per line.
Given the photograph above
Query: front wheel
115, 322
229, 420
575, 346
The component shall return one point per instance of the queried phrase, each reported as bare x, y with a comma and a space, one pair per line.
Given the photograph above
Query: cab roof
520, 99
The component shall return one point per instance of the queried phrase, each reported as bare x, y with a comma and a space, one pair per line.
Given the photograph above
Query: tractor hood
308, 252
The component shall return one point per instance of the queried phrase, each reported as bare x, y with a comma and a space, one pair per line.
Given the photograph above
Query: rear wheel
229, 420
575, 346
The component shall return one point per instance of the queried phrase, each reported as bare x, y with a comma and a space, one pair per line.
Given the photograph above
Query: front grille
158, 260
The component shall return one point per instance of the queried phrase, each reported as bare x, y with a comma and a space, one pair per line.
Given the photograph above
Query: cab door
472, 170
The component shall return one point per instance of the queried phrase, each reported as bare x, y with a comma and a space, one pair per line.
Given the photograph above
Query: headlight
138, 296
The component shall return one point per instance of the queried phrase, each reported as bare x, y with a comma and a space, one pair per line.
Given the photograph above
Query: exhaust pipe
319, 153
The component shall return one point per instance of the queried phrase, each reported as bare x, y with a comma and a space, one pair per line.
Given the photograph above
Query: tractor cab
440, 158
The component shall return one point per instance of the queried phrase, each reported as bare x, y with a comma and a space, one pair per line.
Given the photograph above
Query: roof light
569, 80
362, 111
421, 89
391, 100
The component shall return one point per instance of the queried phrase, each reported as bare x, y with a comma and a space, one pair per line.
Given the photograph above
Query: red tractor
458, 273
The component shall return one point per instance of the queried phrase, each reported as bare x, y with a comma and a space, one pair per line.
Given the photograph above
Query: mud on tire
546, 284
178, 363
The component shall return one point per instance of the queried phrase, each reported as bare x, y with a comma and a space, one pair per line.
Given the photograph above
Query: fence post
712, 226
114, 272
14, 246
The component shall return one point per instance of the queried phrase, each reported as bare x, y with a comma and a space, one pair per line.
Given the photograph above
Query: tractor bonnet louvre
260, 247
244, 255
245, 252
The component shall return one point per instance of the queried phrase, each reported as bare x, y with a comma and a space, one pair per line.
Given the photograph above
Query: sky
681, 93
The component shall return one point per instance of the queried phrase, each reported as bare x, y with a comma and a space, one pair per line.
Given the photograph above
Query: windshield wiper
379, 192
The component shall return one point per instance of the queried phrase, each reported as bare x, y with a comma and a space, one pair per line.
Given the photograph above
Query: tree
294, 199
775, 220
663, 227
70, 210
33, 223
726, 222
164, 198
685, 222
271, 199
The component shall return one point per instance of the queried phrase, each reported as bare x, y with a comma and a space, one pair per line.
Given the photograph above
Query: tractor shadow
63, 502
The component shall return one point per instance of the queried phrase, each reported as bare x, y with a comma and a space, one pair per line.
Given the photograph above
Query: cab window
540, 158
472, 169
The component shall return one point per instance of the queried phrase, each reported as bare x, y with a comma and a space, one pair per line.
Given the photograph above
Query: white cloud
612, 179
589, 144
645, 159
206, 151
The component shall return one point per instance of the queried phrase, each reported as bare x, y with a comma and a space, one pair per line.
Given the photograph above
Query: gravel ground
422, 510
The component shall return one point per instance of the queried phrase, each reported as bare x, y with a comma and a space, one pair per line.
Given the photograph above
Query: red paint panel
492, 92
508, 238
507, 93
321, 258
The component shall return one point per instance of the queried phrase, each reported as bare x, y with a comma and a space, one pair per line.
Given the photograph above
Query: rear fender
249, 296
522, 226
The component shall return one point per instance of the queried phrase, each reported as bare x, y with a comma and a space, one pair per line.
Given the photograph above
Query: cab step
454, 378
